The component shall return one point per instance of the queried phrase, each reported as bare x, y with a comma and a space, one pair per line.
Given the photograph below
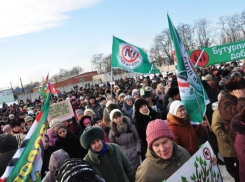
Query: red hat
157, 129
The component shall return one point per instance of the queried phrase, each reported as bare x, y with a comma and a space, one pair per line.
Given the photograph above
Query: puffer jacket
155, 169
225, 148
128, 142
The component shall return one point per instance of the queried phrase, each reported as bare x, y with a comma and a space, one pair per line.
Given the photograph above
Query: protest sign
20, 138
198, 168
61, 110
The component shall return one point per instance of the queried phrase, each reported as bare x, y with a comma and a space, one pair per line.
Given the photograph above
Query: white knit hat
54, 123
174, 106
112, 113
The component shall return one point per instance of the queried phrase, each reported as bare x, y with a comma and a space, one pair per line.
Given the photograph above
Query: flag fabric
129, 57
26, 164
48, 87
192, 93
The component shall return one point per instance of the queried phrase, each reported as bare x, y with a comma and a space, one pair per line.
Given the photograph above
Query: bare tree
187, 34
76, 70
97, 62
229, 26
106, 61
205, 34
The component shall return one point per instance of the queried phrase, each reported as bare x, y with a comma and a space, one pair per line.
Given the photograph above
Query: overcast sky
41, 36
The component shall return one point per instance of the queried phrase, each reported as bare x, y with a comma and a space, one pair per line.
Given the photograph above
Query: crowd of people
134, 130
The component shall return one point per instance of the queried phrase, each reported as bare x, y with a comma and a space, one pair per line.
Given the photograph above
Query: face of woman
163, 147
129, 102
46, 144
16, 128
62, 132
98, 123
181, 112
143, 109
88, 113
118, 119
97, 145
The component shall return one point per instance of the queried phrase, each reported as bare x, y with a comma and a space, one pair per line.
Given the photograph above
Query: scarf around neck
104, 149
147, 114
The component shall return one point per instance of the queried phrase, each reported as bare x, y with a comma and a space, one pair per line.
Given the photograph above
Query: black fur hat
138, 103
89, 135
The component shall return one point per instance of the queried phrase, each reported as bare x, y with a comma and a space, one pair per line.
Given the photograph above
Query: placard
198, 168
61, 110
20, 138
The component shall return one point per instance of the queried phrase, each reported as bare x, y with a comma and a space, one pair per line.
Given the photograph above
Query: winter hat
174, 106
54, 123
7, 142
121, 95
108, 103
128, 97
6, 128
4, 119
95, 120
146, 92
11, 116
79, 111
85, 120
14, 123
135, 92
2, 123
209, 77
31, 112
113, 112
88, 110
89, 135
91, 97
102, 98
138, 103
28, 118
57, 159
157, 129
76, 169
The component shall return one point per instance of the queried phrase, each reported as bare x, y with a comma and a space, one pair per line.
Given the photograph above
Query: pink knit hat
157, 129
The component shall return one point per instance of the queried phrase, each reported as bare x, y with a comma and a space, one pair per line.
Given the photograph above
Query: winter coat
128, 142
225, 148
141, 122
71, 145
56, 160
46, 157
8, 147
239, 145
129, 111
155, 169
113, 165
229, 106
95, 108
184, 133
52, 136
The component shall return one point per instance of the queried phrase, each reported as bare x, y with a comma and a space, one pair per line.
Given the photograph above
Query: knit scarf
147, 114
104, 149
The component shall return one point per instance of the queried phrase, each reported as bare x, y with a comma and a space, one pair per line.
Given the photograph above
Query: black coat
141, 122
71, 145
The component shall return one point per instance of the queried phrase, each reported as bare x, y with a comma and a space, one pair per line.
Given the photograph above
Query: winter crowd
134, 130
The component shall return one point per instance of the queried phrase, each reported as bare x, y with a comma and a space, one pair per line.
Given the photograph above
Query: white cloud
26, 16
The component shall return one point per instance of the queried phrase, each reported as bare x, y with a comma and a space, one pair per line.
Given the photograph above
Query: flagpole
111, 82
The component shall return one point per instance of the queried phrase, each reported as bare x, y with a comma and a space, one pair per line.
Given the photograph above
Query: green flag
129, 57
208, 56
192, 93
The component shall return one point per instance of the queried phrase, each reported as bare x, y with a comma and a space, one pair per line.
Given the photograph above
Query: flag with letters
192, 93
129, 57
26, 163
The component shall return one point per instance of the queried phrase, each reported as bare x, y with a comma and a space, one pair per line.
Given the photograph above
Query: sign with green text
61, 110
218, 54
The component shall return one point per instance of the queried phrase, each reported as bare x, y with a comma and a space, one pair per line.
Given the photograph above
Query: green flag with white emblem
129, 57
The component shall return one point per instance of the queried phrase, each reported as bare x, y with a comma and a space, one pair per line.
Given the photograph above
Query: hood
125, 118
7, 142
57, 159
215, 106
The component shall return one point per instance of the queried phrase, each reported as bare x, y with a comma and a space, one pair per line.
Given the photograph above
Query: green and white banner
218, 54
192, 93
129, 57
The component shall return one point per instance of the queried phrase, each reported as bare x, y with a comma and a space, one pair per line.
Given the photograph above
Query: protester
90, 112
56, 160
16, 127
238, 126
126, 136
99, 123
107, 160
128, 107
179, 122
163, 156
69, 143
143, 115
73, 170
28, 123
8, 147
52, 131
